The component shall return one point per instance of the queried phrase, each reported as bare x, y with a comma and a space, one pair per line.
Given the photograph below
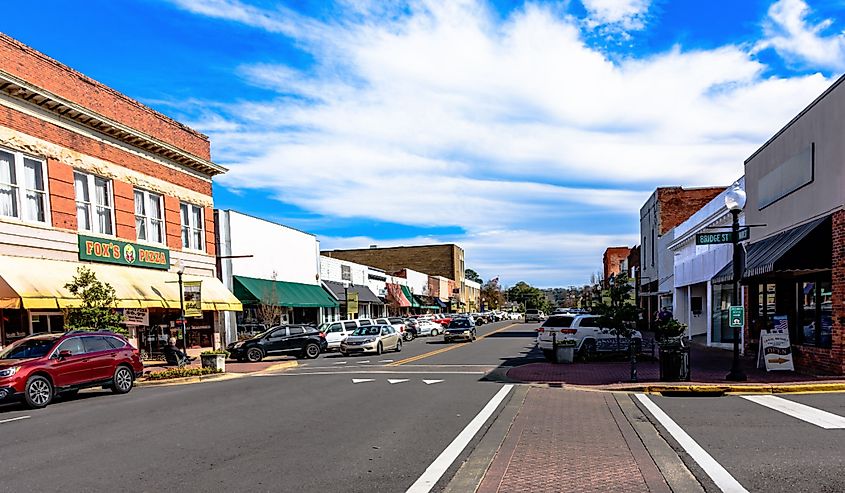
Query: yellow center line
443, 350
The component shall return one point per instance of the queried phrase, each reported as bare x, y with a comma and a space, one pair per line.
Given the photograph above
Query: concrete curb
215, 377
704, 388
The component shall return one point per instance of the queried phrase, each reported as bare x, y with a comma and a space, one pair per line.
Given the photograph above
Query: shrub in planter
669, 332
215, 359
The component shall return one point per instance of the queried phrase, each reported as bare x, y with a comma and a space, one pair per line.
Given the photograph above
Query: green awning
410, 296
253, 291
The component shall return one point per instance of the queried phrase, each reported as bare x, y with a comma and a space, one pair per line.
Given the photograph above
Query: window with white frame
94, 203
149, 216
193, 236
23, 187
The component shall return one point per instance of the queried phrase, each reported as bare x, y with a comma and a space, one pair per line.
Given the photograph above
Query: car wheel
38, 392
473, 336
379, 349
122, 380
549, 354
588, 350
409, 336
254, 355
312, 351
398, 345
435, 332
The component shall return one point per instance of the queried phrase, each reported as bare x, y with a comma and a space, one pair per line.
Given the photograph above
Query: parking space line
823, 419
723, 479
435, 471
13, 419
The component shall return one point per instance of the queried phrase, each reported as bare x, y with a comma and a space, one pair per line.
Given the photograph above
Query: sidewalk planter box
215, 361
564, 350
674, 363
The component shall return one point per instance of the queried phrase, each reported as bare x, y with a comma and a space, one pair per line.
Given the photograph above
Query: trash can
674, 364
564, 354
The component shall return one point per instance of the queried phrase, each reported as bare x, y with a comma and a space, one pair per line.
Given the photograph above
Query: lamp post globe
735, 198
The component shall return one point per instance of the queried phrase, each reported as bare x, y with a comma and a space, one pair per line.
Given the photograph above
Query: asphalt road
762, 448
311, 429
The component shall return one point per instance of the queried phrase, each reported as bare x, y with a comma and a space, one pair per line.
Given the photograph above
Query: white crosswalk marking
396, 380
803, 412
362, 380
363, 362
341, 363
385, 361
429, 382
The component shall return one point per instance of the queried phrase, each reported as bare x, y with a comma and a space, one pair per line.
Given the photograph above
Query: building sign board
721, 237
111, 251
736, 315
192, 293
351, 303
136, 316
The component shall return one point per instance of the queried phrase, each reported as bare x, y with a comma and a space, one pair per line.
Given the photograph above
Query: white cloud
789, 32
628, 15
446, 115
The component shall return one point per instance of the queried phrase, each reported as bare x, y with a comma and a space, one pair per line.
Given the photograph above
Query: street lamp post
180, 269
735, 202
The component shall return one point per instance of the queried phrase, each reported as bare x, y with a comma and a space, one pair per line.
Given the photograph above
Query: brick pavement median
571, 441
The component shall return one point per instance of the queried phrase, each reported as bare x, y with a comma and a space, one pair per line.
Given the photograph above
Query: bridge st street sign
721, 237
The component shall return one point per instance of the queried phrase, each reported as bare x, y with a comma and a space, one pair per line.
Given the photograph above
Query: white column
708, 311
689, 311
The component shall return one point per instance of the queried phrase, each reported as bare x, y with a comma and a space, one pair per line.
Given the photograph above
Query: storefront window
15, 326
43, 323
722, 332
808, 312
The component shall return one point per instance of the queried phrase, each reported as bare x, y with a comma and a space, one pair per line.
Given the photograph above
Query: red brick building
615, 261
90, 177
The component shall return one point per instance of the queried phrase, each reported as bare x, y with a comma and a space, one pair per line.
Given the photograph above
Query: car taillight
568, 331
322, 334
541, 330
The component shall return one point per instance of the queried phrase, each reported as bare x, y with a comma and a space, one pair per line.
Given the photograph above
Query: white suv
336, 332
581, 332
532, 314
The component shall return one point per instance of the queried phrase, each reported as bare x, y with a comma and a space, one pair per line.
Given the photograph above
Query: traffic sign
721, 238
736, 314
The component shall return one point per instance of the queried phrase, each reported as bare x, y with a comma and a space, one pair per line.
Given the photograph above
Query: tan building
445, 260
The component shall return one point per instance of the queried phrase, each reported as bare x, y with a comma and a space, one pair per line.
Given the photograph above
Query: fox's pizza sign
111, 251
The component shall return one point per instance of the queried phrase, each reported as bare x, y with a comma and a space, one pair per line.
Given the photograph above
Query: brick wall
62, 195
124, 210
84, 145
42, 71
677, 204
435, 260
612, 258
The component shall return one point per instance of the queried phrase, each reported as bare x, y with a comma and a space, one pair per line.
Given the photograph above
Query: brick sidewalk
571, 441
708, 365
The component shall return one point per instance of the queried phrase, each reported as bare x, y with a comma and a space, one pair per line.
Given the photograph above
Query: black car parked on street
302, 341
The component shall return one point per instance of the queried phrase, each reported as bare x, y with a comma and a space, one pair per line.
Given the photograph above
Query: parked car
397, 323
37, 368
429, 328
534, 315
583, 332
460, 328
335, 332
411, 329
372, 339
303, 341
443, 320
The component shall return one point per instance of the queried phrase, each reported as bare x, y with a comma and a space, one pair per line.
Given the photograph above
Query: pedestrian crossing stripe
396, 380
822, 419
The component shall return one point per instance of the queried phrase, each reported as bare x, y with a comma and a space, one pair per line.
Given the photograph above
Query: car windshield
532, 311
460, 323
367, 331
28, 348
559, 322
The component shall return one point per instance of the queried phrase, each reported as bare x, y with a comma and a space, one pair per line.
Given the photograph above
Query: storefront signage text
122, 253
192, 298
136, 316
775, 351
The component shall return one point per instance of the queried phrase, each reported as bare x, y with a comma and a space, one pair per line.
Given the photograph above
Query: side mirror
64, 354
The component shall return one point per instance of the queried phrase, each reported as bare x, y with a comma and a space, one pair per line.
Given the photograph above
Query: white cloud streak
442, 114
789, 31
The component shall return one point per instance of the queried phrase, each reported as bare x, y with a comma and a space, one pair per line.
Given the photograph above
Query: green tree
471, 275
618, 316
96, 312
529, 296
491, 295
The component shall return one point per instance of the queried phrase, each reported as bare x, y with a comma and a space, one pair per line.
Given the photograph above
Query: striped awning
767, 255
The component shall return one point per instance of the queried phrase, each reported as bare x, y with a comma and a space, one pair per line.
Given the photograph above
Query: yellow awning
38, 284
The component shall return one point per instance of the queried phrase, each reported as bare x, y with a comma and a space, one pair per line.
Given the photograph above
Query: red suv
39, 367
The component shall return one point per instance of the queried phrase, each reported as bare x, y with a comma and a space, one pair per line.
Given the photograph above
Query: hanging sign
119, 252
192, 298
736, 315
351, 304
722, 237
136, 316
776, 351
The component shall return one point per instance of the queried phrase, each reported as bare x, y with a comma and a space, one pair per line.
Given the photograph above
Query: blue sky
530, 133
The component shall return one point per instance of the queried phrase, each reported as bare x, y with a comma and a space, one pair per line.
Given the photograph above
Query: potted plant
215, 359
674, 356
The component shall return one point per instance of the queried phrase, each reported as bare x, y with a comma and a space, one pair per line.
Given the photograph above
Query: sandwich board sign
775, 351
